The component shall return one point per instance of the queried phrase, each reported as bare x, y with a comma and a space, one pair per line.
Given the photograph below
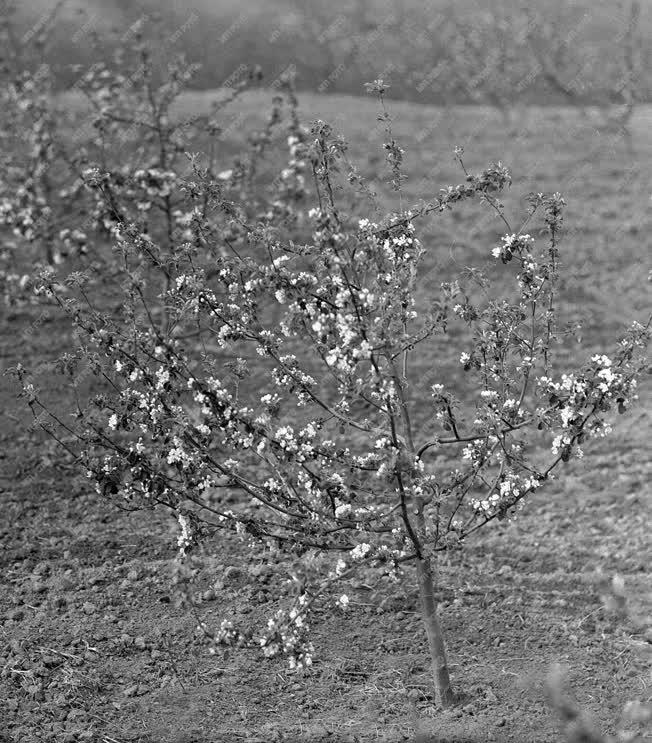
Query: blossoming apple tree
279, 402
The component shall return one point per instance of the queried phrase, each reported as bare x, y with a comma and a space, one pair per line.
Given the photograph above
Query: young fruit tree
113, 151
609, 77
282, 401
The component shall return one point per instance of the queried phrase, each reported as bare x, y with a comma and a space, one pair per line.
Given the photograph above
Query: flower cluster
577, 402
509, 490
513, 245
287, 634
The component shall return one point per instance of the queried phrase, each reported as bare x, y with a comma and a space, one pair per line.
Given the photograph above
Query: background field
341, 44
91, 647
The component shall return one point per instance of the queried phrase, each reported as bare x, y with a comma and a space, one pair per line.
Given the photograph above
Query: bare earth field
93, 648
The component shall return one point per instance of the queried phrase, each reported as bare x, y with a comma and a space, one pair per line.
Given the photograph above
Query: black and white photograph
326, 392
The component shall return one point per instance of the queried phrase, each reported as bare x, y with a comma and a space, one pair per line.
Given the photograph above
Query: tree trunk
444, 695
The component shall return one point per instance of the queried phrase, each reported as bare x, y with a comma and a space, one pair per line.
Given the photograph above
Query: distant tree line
498, 54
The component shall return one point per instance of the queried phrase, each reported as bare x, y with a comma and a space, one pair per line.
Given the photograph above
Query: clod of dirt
232, 577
